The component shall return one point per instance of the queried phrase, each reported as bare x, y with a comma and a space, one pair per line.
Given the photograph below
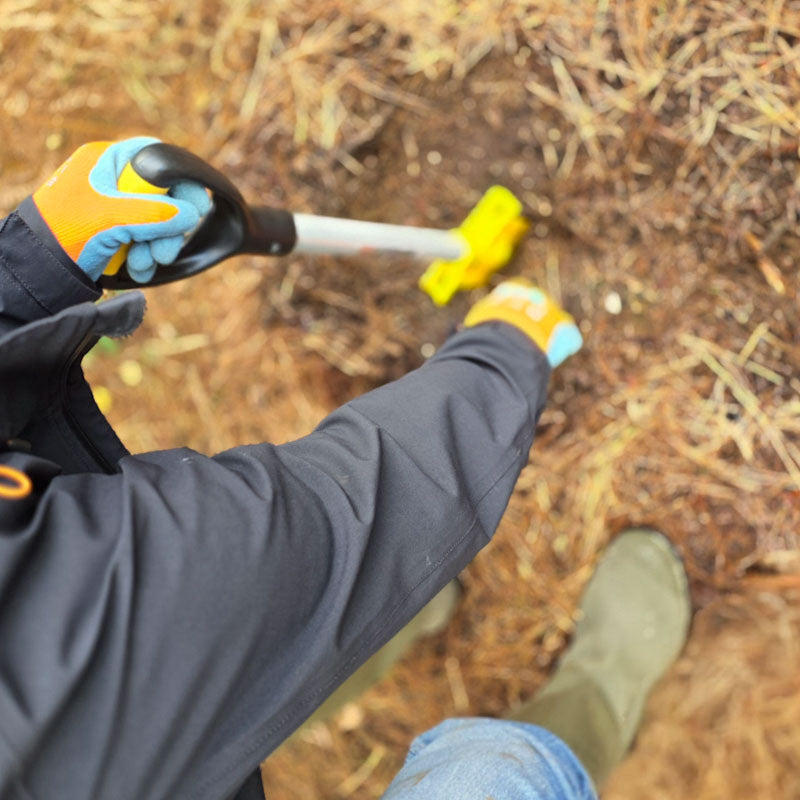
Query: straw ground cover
655, 146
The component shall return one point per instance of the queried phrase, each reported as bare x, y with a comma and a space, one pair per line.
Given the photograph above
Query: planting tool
464, 257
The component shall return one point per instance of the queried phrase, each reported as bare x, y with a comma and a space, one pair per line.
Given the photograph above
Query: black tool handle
230, 228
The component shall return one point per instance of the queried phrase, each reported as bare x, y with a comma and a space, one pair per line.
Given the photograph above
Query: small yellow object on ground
102, 397
130, 372
490, 232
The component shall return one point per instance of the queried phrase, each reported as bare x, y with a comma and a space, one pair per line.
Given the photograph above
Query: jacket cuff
508, 352
32, 256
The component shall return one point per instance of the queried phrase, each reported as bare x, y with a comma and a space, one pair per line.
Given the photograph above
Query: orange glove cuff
75, 211
531, 311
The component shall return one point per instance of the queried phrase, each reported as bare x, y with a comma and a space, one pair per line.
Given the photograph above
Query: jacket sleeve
37, 278
172, 624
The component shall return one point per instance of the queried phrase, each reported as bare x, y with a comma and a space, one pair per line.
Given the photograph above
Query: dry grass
737, 682
656, 147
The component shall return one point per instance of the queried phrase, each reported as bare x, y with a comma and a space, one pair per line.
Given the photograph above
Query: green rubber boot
430, 620
635, 615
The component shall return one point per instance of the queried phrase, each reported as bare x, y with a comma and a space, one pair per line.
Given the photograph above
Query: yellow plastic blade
491, 231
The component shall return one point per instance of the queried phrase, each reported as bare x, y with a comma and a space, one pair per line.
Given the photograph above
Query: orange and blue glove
92, 218
530, 310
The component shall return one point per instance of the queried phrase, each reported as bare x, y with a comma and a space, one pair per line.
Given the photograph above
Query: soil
588, 241
673, 415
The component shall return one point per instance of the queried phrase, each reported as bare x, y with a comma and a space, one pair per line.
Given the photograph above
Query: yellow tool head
491, 231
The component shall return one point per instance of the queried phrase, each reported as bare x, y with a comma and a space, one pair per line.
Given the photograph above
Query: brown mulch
655, 146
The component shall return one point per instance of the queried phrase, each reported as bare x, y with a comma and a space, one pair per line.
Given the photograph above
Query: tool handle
129, 181
230, 228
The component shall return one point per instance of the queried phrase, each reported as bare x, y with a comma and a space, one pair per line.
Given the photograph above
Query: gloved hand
91, 218
521, 304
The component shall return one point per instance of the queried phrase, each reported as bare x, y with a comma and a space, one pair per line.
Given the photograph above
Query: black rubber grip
230, 228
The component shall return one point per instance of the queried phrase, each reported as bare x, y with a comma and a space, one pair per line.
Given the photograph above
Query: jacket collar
35, 360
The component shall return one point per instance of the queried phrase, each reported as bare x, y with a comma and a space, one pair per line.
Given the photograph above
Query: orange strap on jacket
14, 485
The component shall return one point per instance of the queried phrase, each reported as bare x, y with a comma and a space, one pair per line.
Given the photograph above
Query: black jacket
167, 619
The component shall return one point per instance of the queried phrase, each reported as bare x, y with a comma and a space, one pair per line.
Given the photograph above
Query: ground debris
655, 146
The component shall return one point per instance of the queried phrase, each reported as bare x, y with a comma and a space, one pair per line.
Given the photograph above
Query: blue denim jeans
478, 758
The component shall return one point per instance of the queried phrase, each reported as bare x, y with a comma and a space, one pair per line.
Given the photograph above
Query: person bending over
168, 618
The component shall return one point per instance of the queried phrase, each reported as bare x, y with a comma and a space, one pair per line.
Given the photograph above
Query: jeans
478, 758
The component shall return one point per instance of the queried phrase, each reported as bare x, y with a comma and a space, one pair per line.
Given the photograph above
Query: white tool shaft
341, 237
